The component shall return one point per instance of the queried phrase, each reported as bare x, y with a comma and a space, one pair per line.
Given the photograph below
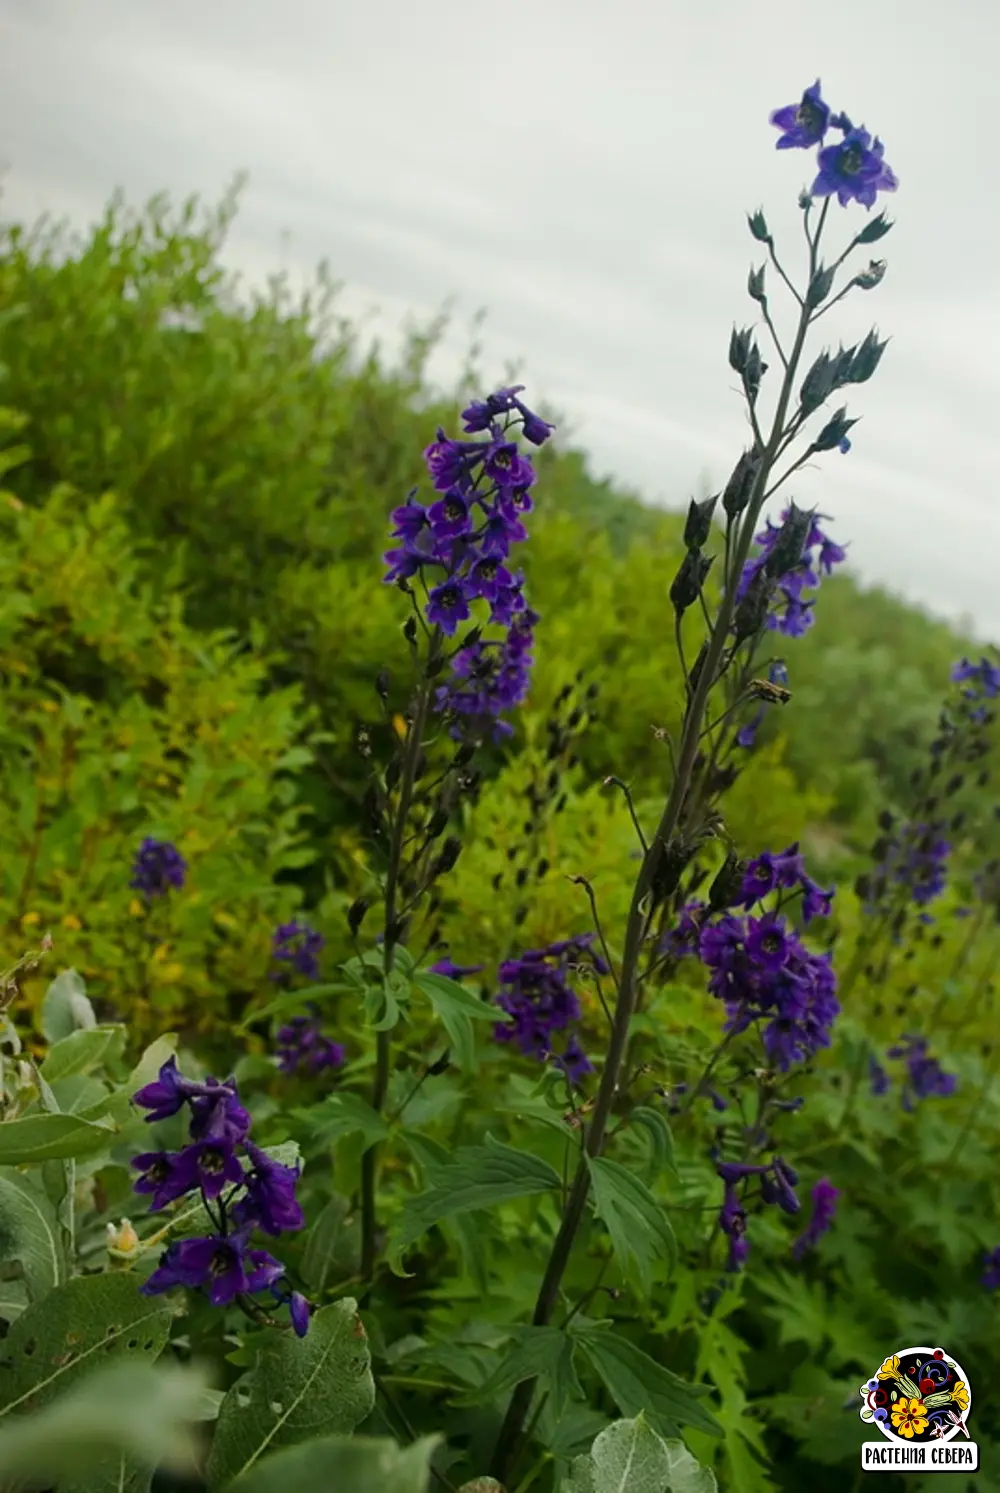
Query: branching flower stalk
668, 850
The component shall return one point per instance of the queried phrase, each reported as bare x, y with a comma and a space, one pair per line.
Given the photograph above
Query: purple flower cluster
301, 1046
854, 168
298, 945
158, 866
459, 546
925, 1078
983, 679
777, 1185
240, 1192
539, 998
824, 1200
916, 859
789, 612
760, 968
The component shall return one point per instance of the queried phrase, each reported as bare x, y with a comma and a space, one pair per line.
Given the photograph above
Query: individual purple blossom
925, 1078
221, 1265
982, 677
207, 1166
733, 1223
991, 1275
824, 1205
168, 1092
301, 1046
855, 170
481, 414
299, 945
270, 1194
767, 941
452, 971
791, 613
300, 1311
803, 124
158, 866
878, 1079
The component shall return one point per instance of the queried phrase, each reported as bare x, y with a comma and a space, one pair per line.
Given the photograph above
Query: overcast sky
580, 168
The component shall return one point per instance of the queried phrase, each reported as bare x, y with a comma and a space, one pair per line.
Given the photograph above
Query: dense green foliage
193, 510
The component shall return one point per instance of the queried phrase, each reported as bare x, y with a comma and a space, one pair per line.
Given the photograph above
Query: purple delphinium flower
803, 124
983, 678
925, 1078
460, 547
221, 1265
158, 866
991, 1275
878, 1078
300, 946
769, 872
453, 971
790, 613
855, 170
301, 1046
238, 1197
538, 996
824, 1200
733, 1223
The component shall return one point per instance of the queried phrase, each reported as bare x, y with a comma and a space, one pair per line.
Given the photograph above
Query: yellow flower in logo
960, 1395
909, 1417
890, 1368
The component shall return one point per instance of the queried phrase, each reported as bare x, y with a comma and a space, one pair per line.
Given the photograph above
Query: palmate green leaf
73, 1330
319, 1385
639, 1228
638, 1383
30, 1234
343, 1114
109, 1431
83, 1051
66, 1007
545, 1353
473, 1177
51, 1137
456, 1009
354, 1465
629, 1457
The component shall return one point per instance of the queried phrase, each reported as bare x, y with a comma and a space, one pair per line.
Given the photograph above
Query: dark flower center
454, 508
213, 1162
502, 459
807, 115
771, 943
851, 160
448, 597
220, 1263
487, 569
158, 1172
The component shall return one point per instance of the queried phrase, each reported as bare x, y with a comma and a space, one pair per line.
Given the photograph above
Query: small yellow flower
123, 1241
29, 919
960, 1394
50, 705
136, 908
399, 726
890, 1369
72, 921
909, 1417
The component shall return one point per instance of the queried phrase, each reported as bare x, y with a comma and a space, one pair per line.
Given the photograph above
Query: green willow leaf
74, 1329
637, 1383
66, 1007
83, 1051
639, 1228
30, 1234
335, 1462
298, 1388
51, 1138
473, 1177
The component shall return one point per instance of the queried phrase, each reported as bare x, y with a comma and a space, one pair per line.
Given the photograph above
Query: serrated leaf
65, 1007
661, 1139
299, 1388
335, 1462
638, 1383
473, 1177
456, 1009
343, 1114
639, 1228
83, 1051
72, 1330
37, 1138
544, 1353
433, 1158
110, 1430
332, 1246
30, 1234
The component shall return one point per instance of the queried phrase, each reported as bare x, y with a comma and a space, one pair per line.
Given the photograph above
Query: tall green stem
380, 1083
639, 910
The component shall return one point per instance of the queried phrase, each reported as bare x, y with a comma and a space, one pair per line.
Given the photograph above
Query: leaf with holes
319, 1385
30, 1234
71, 1331
51, 1138
336, 1462
83, 1051
65, 1007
